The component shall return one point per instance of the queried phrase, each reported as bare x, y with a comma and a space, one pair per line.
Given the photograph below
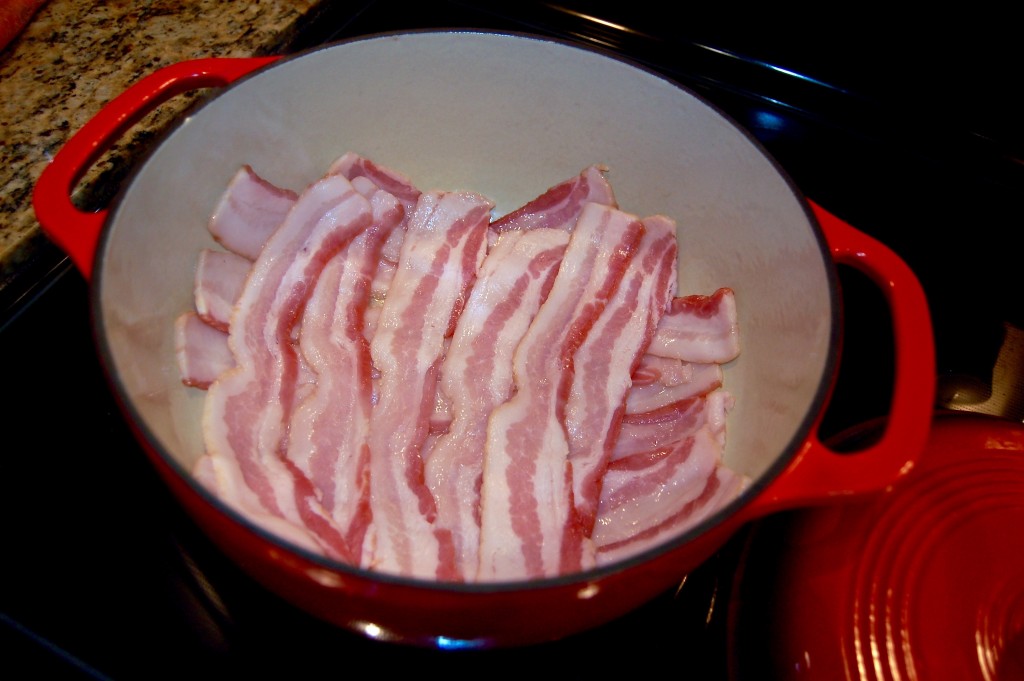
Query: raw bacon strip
248, 408
220, 278
607, 358
660, 429
352, 165
720, 403
645, 491
329, 428
444, 245
559, 207
662, 370
662, 488
476, 377
248, 213
699, 328
206, 474
692, 381
202, 351
527, 517
723, 486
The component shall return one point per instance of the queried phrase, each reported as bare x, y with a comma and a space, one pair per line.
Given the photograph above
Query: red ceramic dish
742, 225
925, 581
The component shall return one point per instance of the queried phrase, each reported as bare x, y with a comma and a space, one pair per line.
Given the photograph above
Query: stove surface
937, 176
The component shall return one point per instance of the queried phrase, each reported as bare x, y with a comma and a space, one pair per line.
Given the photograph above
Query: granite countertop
76, 55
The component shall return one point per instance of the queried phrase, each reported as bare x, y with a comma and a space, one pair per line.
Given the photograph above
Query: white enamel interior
508, 117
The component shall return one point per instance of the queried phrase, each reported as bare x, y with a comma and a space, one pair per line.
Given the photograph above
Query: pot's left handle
817, 474
75, 231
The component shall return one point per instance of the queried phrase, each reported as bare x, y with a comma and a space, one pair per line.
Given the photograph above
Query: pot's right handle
77, 232
818, 474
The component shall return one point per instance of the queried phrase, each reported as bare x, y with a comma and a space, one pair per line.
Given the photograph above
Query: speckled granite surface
77, 55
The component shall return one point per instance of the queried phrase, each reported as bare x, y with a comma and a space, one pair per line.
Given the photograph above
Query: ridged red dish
925, 581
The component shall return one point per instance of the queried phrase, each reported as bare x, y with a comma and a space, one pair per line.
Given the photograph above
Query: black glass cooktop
911, 138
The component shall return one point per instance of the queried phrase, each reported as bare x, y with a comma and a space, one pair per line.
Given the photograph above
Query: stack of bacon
399, 381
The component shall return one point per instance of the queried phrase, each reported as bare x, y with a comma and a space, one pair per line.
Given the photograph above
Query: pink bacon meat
329, 428
607, 358
202, 351
699, 328
665, 477
653, 369
660, 428
444, 245
560, 206
249, 211
247, 408
220, 278
721, 487
476, 376
646, 491
690, 380
528, 526
352, 165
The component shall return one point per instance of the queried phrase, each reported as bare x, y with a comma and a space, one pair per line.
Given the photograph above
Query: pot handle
75, 231
817, 474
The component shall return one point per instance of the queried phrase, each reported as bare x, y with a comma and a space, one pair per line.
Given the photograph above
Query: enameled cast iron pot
507, 116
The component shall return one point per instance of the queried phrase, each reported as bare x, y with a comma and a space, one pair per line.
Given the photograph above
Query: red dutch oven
507, 116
